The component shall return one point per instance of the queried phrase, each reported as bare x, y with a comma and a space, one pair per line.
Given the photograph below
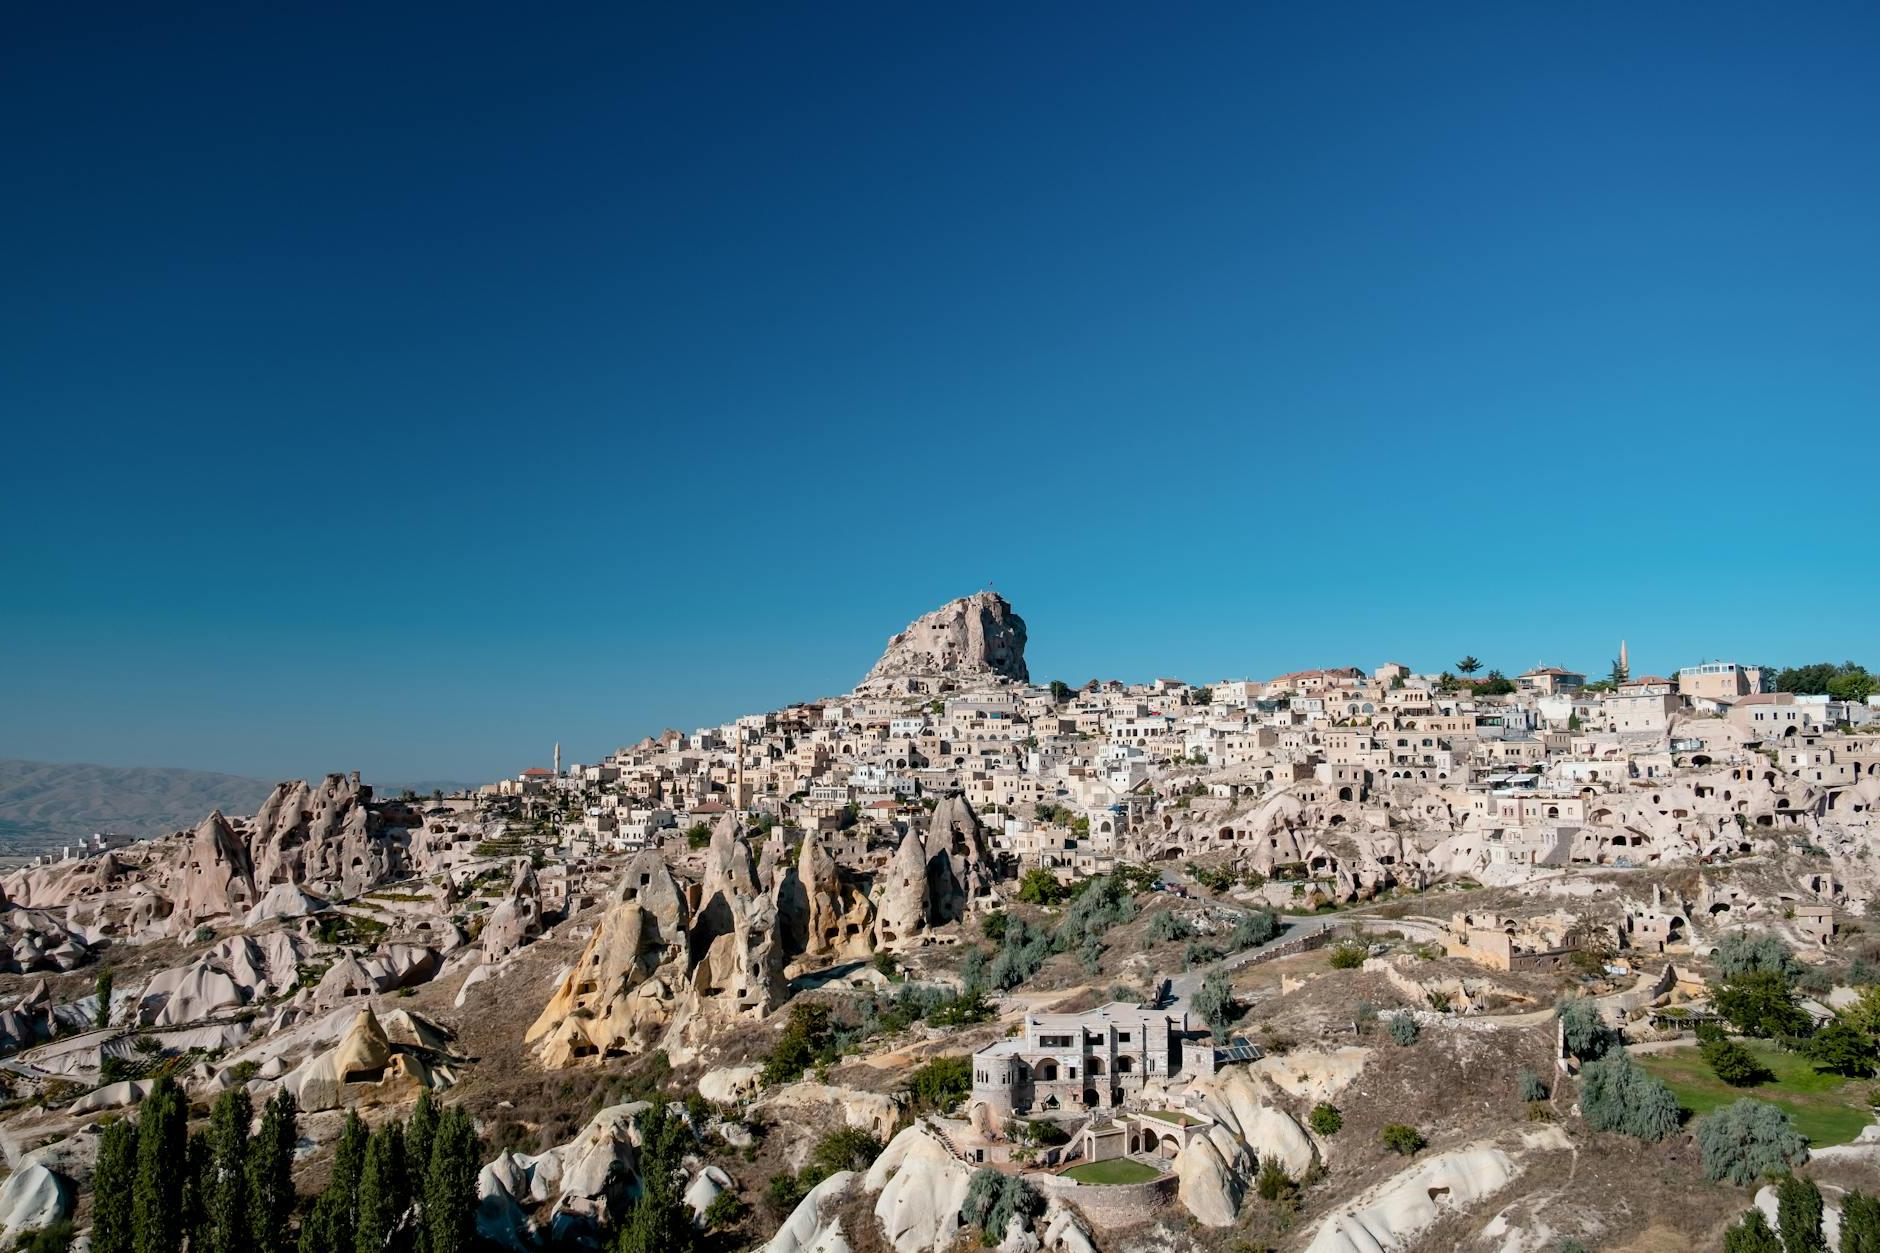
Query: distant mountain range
45, 805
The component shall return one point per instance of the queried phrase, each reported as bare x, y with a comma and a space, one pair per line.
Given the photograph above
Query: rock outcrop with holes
517, 918
325, 836
959, 861
838, 916
658, 972
215, 879
976, 636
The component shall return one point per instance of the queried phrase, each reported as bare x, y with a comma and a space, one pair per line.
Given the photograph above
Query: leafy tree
1733, 1063
270, 1169
1743, 951
994, 1199
450, 1183
225, 1211
1399, 1138
1587, 1035
384, 1190
1215, 1003
1860, 1223
1847, 681
1854, 686
112, 1181
1798, 1215
1495, 684
1060, 691
1751, 1234
849, 1148
941, 1084
1469, 665
1748, 1139
1325, 1119
1252, 928
162, 1146
1041, 887
1169, 925
1761, 1003
1615, 1095
1844, 1049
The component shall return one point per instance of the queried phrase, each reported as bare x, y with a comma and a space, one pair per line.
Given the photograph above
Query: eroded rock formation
654, 965
974, 636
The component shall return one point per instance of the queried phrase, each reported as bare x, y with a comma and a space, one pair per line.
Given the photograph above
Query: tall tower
558, 753
1625, 667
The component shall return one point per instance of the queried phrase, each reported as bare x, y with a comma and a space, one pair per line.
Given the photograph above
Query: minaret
1625, 667
558, 754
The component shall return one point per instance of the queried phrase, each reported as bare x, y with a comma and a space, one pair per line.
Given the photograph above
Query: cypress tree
418, 1138
225, 1220
450, 1184
1798, 1215
196, 1190
1860, 1223
157, 1195
111, 1188
1751, 1234
660, 1221
271, 1175
383, 1193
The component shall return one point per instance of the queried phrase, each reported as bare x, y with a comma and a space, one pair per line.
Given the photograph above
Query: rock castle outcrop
976, 636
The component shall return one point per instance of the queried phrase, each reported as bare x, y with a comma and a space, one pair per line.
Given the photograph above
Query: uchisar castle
1341, 960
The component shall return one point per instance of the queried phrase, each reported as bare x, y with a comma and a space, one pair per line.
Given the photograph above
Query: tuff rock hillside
953, 960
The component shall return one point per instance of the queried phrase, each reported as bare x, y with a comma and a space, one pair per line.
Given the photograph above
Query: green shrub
1586, 1033
994, 1199
1748, 1139
1615, 1095
1399, 1138
941, 1084
1404, 1029
1743, 952
1276, 1186
1215, 1003
1168, 925
849, 1148
1528, 1086
1348, 955
1732, 1063
1325, 1119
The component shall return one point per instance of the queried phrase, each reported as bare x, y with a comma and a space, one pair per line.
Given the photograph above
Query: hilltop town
1339, 960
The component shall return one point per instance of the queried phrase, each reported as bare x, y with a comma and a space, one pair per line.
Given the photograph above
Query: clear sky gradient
407, 389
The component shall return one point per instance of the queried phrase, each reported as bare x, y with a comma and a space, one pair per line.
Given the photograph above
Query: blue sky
406, 390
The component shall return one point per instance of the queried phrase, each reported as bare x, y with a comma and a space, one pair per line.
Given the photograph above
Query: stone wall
1111, 1204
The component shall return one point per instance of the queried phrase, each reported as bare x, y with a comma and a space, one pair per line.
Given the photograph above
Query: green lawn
1174, 1116
1113, 1170
1827, 1109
